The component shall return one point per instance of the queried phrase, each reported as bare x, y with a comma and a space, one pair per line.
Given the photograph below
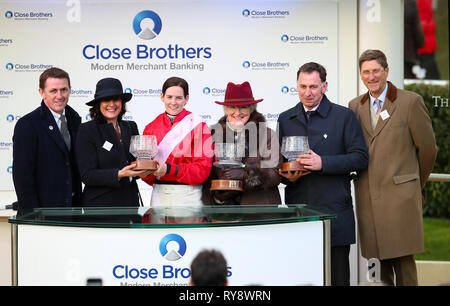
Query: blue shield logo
172, 255
147, 33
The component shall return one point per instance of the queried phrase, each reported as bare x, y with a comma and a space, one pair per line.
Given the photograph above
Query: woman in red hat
184, 150
260, 155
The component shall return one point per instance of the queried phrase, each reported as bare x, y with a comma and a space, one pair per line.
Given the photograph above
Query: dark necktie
65, 131
309, 114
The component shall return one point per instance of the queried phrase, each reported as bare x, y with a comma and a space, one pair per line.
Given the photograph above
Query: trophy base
151, 165
234, 185
292, 166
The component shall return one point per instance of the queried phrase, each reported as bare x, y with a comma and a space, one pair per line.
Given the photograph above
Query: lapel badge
50, 127
325, 136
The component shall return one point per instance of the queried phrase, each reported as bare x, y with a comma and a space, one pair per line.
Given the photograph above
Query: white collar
382, 97
313, 109
56, 115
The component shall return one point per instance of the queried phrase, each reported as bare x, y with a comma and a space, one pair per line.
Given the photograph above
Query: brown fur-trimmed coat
260, 175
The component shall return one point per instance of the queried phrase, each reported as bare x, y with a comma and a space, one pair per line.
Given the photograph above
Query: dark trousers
340, 265
399, 271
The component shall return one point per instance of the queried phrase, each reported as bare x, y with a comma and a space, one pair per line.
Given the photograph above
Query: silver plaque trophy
291, 148
144, 148
227, 156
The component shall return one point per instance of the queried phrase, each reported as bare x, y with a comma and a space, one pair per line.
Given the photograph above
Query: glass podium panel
174, 216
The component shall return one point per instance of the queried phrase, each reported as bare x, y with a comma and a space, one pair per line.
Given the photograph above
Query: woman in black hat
102, 149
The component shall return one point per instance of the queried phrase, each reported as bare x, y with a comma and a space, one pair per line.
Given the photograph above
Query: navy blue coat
333, 133
45, 173
99, 167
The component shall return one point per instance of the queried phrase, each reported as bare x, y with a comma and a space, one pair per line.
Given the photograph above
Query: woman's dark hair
96, 114
175, 81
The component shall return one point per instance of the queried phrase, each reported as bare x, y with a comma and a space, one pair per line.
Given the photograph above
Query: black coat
333, 133
99, 166
45, 173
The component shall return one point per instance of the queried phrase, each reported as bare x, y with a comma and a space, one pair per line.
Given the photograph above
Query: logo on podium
172, 255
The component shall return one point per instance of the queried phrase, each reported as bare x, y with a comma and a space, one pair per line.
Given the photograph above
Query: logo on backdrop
268, 13
24, 67
266, 65
12, 118
289, 90
5, 42
213, 91
172, 255
304, 39
5, 94
147, 33
28, 16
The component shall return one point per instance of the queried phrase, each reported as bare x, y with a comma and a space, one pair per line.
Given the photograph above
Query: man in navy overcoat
45, 173
337, 148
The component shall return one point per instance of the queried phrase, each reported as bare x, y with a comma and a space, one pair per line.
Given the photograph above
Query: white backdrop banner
209, 43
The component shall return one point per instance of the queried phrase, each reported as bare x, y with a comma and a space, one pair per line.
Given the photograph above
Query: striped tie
378, 104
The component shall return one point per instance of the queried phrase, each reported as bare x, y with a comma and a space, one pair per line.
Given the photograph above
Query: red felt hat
238, 95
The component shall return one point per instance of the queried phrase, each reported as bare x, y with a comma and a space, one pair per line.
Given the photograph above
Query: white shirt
313, 109
58, 117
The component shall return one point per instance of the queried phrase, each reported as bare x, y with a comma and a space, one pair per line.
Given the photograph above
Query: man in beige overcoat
402, 151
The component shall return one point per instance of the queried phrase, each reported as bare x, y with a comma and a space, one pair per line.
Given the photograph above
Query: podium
263, 245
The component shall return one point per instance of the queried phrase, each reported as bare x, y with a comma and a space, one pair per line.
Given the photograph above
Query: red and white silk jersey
191, 159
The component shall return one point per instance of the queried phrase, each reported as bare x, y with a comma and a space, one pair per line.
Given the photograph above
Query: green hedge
437, 194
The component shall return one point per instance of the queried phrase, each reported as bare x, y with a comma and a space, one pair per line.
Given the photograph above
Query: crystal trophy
227, 156
291, 148
144, 148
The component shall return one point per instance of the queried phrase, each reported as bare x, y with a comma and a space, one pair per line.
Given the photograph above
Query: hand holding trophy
226, 155
144, 148
291, 148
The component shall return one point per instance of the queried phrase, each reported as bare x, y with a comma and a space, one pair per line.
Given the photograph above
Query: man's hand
292, 176
311, 161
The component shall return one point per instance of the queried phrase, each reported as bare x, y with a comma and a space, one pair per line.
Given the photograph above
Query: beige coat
402, 152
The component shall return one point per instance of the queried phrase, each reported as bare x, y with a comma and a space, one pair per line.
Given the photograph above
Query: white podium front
263, 245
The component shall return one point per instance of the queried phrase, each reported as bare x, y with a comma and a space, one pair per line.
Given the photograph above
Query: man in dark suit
337, 148
45, 173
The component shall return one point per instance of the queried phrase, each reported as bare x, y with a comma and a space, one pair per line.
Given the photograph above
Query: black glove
254, 177
233, 174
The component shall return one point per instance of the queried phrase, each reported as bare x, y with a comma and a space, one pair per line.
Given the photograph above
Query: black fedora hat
109, 88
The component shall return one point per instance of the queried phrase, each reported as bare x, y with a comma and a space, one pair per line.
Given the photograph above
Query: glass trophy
227, 156
291, 148
144, 148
